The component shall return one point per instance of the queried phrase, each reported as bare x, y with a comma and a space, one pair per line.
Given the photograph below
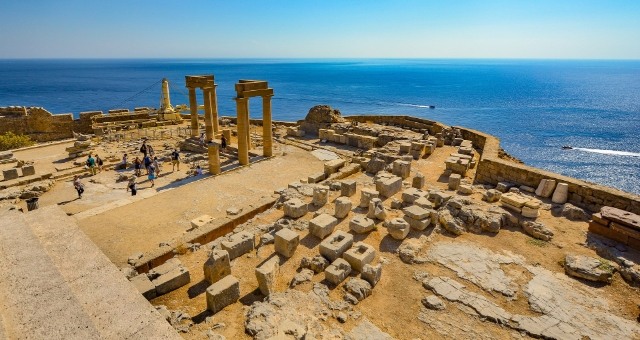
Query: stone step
79, 278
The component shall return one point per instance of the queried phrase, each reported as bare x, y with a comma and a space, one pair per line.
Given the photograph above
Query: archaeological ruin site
331, 227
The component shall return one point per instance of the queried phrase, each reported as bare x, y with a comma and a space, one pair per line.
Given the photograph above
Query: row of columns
244, 133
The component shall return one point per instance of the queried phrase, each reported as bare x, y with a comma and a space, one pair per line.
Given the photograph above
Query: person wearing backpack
91, 163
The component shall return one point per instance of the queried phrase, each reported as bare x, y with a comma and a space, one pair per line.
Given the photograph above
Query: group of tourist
94, 164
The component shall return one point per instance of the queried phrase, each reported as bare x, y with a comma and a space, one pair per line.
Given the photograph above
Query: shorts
151, 176
175, 161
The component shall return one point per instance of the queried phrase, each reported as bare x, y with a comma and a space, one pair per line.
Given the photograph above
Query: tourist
223, 143
150, 150
198, 171
156, 165
144, 149
99, 163
123, 164
78, 185
132, 185
137, 165
91, 163
147, 162
175, 160
151, 174
202, 138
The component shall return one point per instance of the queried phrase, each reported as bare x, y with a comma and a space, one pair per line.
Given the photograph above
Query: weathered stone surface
348, 188
621, 216
514, 199
333, 166
412, 194
546, 187
172, 279
316, 178
359, 255
417, 224
322, 225
387, 184
366, 195
401, 168
423, 202
335, 245
239, 244
343, 207
217, 266
574, 213
371, 274
266, 274
365, 330
450, 223
286, 242
376, 209
416, 212
200, 221
418, 181
337, 271
433, 302
10, 174
465, 189
222, 293
359, 288
530, 212
396, 203
504, 186
294, 208
305, 275
144, 286
320, 195
561, 194
439, 198
454, 181
537, 230
28, 170
588, 268
360, 224
398, 228
492, 195
317, 263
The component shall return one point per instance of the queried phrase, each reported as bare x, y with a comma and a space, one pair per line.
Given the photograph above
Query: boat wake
610, 152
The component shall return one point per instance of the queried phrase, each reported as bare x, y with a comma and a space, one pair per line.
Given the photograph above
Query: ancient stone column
193, 106
243, 117
214, 159
208, 121
267, 137
214, 112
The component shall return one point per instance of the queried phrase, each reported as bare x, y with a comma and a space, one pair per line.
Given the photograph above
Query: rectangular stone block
389, 186
217, 266
316, 178
454, 181
599, 229
286, 241
335, 245
28, 170
622, 229
239, 244
348, 188
416, 212
266, 273
597, 217
514, 199
322, 225
621, 216
359, 255
172, 280
412, 194
200, 221
144, 286
222, 293
401, 168
337, 271
10, 174
333, 166
416, 224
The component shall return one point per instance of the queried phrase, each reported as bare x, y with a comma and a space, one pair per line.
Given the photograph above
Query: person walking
123, 164
91, 163
99, 163
137, 165
144, 149
152, 174
156, 165
175, 160
147, 162
132, 185
77, 184
223, 143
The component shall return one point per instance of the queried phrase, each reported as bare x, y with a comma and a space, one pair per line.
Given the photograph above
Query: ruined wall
37, 123
401, 121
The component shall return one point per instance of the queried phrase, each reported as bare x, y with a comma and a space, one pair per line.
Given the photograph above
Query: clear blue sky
320, 29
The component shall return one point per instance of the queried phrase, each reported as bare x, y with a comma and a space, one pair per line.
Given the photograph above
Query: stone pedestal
217, 266
561, 193
545, 188
223, 293
343, 207
286, 241
266, 274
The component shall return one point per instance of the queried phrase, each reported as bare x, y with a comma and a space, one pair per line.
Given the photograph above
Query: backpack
88, 162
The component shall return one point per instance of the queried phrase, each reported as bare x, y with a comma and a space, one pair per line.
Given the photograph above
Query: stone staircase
56, 284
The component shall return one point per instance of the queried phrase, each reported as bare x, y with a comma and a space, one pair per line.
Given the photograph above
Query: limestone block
561, 193
588, 268
200, 221
526, 189
416, 212
343, 207
358, 290
317, 263
172, 280
222, 293
514, 199
266, 274
335, 245
28, 170
10, 174
295, 208
366, 195
423, 202
504, 186
417, 224
398, 228
439, 198
401, 168
217, 266
337, 271
333, 166
546, 187
371, 274
359, 255
465, 189
405, 147
492, 195
396, 204
238, 244
322, 225
5, 155
530, 212
144, 286
348, 188
320, 195
454, 181
361, 224
389, 186
412, 194
376, 209
316, 178
620, 216
418, 181
286, 241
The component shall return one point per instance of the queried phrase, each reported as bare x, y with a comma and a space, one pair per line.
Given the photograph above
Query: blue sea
534, 106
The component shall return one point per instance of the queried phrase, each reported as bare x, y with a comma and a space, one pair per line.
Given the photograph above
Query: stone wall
37, 123
406, 122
